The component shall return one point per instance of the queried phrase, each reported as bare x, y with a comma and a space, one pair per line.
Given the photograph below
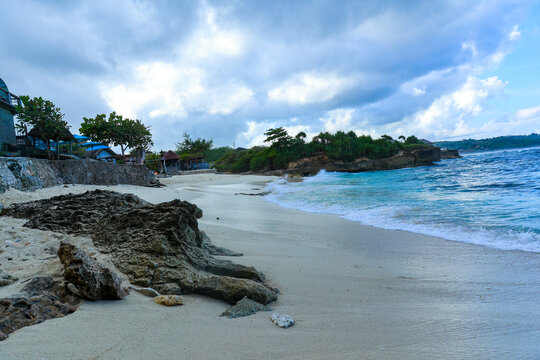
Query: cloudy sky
229, 70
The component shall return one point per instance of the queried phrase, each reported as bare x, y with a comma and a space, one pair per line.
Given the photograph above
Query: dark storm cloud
209, 67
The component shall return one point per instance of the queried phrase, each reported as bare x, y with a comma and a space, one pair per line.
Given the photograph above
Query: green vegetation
119, 131
215, 154
496, 143
189, 148
284, 149
45, 118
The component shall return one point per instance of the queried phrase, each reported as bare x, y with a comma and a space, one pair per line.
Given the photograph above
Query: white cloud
528, 113
162, 89
338, 119
309, 87
418, 92
446, 116
514, 34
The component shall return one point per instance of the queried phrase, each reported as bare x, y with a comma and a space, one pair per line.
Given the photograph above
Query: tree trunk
57, 149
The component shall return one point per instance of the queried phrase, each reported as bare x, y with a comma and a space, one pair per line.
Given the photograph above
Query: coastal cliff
32, 174
403, 159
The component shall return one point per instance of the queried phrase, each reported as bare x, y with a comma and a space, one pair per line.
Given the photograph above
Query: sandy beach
355, 291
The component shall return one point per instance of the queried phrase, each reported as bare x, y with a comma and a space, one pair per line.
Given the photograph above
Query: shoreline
356, 291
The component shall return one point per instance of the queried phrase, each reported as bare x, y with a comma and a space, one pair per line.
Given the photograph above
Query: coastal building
103, 153
8, 101
170, 163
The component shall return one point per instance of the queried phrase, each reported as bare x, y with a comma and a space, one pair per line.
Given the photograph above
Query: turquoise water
490, 199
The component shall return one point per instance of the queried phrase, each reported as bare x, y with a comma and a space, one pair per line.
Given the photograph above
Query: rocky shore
421, 157
155, 246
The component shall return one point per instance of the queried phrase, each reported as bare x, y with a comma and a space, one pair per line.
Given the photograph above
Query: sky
229, 70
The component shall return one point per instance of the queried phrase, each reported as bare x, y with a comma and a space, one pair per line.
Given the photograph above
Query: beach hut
197, 162
8, 101
170, 163
103, 153
40, 139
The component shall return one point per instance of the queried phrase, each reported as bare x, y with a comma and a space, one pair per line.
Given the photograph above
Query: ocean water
490, 199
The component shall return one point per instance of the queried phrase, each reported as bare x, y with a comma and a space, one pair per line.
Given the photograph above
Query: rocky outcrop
77, 214
312, 165
158, 246
86, 277
32, 174
42, 299
449, 154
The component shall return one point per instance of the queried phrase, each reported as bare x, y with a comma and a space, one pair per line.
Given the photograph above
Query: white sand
356, 292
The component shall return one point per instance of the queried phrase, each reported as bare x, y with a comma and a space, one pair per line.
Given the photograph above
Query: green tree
190, 148
278, 137
119, 131
43, 116
412, 140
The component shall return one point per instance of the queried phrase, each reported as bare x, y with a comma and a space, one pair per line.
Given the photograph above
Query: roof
170, 155
65, 134
98, 147
80, 137
90, 143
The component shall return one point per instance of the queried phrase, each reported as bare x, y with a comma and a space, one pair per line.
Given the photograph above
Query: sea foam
489, 199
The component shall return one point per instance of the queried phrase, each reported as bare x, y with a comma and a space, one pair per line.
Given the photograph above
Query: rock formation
245, 307
6, 279
158, 246
86, 277
43, 298
312, 165
449, 154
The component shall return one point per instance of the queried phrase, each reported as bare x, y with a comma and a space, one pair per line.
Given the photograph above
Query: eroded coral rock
245, 307
169, 300
87, 278
282, 320
6, 279
158, 246
43, 298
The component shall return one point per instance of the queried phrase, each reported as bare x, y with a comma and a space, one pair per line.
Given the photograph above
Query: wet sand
356, 292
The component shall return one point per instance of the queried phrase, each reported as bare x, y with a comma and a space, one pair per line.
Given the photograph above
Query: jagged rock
158, 246
6, 279
145, 291
88, 278
73, 213
282, 320
169, 300
43, 298
245, 307
161, 246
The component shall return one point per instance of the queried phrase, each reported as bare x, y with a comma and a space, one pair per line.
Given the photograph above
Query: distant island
495, 143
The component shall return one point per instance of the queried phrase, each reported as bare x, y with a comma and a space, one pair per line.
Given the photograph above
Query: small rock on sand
6, 279
282, 320
169, 300
245, 307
